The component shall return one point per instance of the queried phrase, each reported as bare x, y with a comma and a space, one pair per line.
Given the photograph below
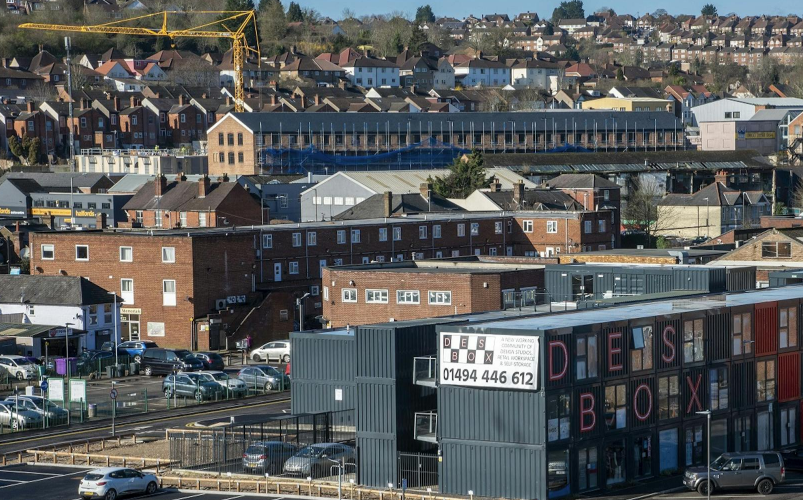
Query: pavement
23, 482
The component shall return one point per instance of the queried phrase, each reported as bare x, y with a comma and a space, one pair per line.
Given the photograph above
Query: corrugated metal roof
408, 181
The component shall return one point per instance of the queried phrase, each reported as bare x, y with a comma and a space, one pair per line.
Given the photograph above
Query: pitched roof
410, 203
58, 181
581, 181
534, 199
715, 194
180, 196
51, 290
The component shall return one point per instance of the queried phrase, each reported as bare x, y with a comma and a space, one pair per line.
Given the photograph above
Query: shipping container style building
555, 405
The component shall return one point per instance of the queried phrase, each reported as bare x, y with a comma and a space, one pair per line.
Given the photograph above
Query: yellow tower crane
231, 25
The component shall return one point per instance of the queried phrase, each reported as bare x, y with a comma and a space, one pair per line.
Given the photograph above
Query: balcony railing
425, 370
426, 426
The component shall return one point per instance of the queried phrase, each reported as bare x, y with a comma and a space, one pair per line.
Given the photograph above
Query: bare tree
41, 92
642, 212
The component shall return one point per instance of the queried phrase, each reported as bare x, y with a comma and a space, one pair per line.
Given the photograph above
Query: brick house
399, 291
186, 122
138, 125
187, 204
33, 122
773, 250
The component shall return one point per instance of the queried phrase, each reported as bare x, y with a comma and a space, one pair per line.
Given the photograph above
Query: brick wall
752, 250
226, 126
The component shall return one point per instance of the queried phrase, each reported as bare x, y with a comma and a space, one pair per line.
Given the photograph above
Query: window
742, 433
551, 227
296, 239
718, 388
776, 250
325, 292
497, 228
341, 236
383, 234
47, 252
183, 118
219, 138
231, 158
765, 380
127, 290
436, 231
788, 426
695, 445
558, 417
81, 252
641, 353
338, 200
527, 225
422, 232
668, 397
606, 195
168, 292
397, 233
349, 295
742, 334
312, 238
440, 298
239, 138
267, 241
461, 230
586, 357
616, 406
787, 328
126, 254
764, 431
475, 229
168, 255
138, 216
693, 341
587, 227
201, 219
408, 297
240, 157
293, 267
355, 235
601, 224
376, 296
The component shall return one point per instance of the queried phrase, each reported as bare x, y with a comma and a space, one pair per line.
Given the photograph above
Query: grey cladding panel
375, 352
376, 407
323, 357
378, 462
315, 397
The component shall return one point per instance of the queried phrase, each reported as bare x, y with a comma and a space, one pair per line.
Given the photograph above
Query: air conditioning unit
220, 304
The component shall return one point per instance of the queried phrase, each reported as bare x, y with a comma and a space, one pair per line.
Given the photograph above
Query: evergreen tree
465, 176
572, 9
708, 10
424, 15
294, 13
272, 21
242, 6
417, 39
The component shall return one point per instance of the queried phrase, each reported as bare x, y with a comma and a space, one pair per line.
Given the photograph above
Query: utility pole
68, 46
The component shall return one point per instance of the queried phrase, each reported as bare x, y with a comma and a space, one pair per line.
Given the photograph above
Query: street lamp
115, 318
67, 341
300, 304
707, 220
707, 413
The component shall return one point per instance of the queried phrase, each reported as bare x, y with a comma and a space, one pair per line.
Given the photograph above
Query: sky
511, 7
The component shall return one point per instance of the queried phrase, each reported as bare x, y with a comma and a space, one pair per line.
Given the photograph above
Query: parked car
159, 361
235, 386
41, 406
211, 360
279, 350
135, 348
759, 471
17, 417
316, 460
263, 376
267, 457
792, 462
18, 367
107, 346
87, 362
191, 385
111, 482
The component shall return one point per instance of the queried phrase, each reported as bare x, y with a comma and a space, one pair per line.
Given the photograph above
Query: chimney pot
518, 192
29, 106
273, 99
181, 100
160, 185
133, 101
203, 186
116, 103
180, 176
387, 203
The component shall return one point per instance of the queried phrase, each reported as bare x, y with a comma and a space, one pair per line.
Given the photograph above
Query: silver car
759, 471
18, 367
317, 460
235, 386
18, 418
38, 404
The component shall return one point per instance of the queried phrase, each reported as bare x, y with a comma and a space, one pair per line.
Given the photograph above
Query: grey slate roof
51, 290
180, 196
57, 181
581, 181
535, 199
374, 206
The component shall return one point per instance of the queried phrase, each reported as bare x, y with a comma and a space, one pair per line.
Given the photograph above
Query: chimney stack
116, 102
273, 99
387, 203
721, 176
518, 192
29, 106
160, 185
180, 176
133, 101
425, 188
100, 221
317, 99
181, 100
203, 186
228, 101
496, 186
223, 178
84, 103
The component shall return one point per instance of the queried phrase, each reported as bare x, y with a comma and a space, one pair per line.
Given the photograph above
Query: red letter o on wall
640, 416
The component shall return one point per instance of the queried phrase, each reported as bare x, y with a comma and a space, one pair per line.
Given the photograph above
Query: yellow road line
163, 419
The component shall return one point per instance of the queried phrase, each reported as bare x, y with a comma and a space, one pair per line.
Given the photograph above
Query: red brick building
399, 291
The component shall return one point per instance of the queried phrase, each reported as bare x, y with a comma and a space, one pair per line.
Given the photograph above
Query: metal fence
418, 471
313, 446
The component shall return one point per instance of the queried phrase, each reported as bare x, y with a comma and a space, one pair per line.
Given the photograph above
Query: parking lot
61, 483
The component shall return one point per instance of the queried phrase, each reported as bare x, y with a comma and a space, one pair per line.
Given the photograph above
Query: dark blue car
135, 348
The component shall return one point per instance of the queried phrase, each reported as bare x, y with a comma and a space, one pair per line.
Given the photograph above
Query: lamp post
300, 304
67, 345
115, 318
707, 220
707, 413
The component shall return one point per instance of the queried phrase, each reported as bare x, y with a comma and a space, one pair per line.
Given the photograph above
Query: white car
278, 350
235, 386
18, 367
111, 482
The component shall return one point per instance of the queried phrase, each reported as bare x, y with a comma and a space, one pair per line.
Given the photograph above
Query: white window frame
47, 247
436, 231
383, 234
87, 253
440, 297
475, 229
168, 255
355, 235
325, 293
349, 295
128, 297
292, 267
376, 296
130, 254
461, 230
296, 239
551, 227
422, 232
168, 298
397, 233
341, 236
408, 297
267, 241
312, 238
498, 228
527, 226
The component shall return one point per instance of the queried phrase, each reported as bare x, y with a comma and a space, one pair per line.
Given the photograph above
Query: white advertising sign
490, 361
55, 389
77, 390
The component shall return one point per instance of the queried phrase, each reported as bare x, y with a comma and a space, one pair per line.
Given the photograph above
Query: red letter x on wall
695, 387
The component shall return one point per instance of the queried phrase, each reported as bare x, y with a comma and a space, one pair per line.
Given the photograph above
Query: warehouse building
554, 405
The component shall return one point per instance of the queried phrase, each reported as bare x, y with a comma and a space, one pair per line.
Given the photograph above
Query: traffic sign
113, 394
43, 385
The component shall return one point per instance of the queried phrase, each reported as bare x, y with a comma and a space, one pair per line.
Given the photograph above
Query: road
792, 489
152, 423
22, 482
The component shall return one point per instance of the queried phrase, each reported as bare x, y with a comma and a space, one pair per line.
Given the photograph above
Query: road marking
233, 498
13, 481
46, 478
12, 471
193, 496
